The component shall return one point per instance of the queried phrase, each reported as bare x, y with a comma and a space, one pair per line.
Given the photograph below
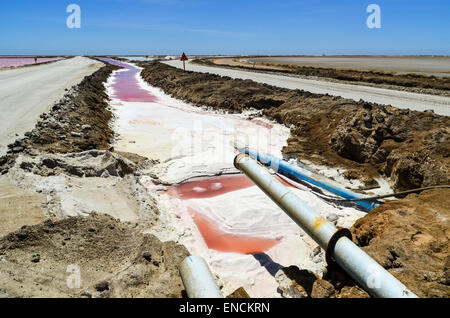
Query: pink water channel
126, 88
21, 61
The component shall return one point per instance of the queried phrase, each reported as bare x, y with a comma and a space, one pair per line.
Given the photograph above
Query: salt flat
428, 65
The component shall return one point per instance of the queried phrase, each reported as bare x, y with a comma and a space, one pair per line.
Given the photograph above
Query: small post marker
184, 59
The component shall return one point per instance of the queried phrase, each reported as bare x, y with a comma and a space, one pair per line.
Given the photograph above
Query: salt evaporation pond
21, 61
137, 58
210, 207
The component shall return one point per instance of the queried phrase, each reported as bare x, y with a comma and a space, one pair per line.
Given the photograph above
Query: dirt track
364, 75
400, 99
78, 122
27, 92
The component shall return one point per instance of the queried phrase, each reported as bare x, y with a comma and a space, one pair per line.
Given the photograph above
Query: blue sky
224, 27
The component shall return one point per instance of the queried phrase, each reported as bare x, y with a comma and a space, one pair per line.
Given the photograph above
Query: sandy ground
95, 256
400, 99
75, 185
428, 65
26, 93
18, 207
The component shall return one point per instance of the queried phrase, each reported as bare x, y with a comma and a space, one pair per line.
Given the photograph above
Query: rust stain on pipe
318, 222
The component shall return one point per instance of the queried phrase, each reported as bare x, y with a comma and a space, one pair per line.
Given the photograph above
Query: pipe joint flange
237, 158
332, 243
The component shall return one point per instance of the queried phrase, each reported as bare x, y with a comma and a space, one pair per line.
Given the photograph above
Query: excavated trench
207, 205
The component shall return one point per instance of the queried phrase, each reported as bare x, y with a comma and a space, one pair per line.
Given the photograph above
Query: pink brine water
21, 61
215, 238
126, 86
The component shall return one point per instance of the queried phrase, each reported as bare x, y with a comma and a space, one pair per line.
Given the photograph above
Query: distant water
137, 58
21, 61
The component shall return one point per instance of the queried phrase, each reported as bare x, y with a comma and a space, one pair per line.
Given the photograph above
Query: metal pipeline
337, 243
198, 279
295, 172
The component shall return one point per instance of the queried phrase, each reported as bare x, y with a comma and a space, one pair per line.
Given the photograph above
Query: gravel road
400, 99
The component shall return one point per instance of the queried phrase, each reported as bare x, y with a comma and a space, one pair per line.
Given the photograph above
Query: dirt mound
294, 282
78, 122
299, 283
368, 139
112, 258
413, 147
92, 163
211, 90
360, 134
409, 238
239, 293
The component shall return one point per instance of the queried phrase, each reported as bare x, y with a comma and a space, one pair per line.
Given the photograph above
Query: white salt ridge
138, 58
338, 176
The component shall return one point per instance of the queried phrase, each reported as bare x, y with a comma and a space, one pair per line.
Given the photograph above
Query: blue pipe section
296, 172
